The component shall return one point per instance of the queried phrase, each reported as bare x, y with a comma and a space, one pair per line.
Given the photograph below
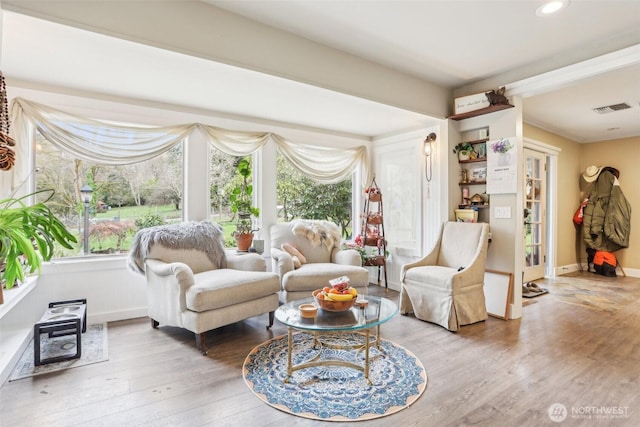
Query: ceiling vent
612, 108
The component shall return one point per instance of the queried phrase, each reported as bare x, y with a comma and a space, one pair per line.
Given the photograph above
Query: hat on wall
592, 172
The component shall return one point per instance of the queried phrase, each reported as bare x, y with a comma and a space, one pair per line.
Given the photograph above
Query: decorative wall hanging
7, 155
502, 166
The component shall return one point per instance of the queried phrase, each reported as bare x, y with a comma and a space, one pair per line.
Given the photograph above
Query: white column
267, 198
196, 201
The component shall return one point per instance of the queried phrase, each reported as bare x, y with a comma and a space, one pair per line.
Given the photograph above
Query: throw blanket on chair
203, 236
318, 232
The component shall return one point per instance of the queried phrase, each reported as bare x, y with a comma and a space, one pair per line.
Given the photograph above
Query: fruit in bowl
336, 298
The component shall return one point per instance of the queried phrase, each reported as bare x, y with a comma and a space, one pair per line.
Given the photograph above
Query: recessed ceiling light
551, 7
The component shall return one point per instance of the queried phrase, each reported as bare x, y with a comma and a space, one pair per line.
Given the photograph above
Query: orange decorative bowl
330, 305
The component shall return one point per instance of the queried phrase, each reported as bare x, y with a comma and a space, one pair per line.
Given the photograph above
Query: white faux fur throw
318, 232
204, 236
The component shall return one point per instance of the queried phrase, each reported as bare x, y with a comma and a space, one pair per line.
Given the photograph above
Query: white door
534, 215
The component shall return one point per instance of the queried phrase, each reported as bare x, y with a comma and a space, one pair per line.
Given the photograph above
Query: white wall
113, 291
505, 251
418, 200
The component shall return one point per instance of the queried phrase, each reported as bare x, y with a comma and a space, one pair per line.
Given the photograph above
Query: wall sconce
428, 149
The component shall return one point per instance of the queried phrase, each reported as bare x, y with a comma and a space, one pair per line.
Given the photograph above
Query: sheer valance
324, 164
108, 143
94, 140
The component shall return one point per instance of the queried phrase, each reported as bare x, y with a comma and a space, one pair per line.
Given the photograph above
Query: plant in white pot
28, 232
240, 201
464, 150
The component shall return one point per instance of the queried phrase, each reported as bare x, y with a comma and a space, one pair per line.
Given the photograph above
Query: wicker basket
375, 261
375, 219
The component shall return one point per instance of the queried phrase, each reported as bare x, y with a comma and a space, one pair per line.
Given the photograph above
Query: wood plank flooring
494, 373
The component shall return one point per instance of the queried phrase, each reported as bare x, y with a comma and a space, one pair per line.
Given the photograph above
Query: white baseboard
113, 316
566, 269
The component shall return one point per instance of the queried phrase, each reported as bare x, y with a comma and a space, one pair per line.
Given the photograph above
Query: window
300, 197
124, 198
73, 152
223, 177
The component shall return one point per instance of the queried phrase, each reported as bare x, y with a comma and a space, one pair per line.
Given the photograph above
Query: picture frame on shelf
465, 104
479, 174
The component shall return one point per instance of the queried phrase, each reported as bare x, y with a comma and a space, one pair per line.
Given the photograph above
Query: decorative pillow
298, 258
296, 262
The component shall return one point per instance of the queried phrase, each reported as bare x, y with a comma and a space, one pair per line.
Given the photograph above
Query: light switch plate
502, 212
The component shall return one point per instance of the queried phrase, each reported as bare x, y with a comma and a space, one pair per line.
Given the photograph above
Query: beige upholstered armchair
193, 283
318, 244
446, 286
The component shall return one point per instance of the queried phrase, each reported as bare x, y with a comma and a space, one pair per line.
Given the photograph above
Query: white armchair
319, 242
193, 283
446, 286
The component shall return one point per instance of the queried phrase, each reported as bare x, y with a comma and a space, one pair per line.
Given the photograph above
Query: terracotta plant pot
243, 241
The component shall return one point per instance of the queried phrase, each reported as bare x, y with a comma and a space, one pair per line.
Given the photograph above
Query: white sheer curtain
323, 164
236, 143
107, 143
97, 141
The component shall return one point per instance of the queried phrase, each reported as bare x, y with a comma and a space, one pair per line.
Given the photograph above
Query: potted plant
464, 150
240, 201
27, 236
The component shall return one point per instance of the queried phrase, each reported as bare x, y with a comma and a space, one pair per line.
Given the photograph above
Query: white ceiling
455, 43
452, 43
96, 63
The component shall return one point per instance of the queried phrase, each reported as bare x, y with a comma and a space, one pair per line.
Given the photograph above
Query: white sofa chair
319, 242
446, 286
193, 283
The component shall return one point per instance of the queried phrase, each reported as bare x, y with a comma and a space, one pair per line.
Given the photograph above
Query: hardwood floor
494, 373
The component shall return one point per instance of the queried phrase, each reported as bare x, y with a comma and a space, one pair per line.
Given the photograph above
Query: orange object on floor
603, 256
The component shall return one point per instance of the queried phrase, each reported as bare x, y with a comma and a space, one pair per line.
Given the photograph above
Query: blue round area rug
335, 393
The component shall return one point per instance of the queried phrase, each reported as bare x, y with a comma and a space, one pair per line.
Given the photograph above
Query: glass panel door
534, 215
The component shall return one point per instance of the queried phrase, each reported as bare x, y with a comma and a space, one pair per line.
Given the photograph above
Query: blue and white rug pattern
335, 393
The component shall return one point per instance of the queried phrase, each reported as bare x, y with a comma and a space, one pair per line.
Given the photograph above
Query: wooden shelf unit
374, 222
480, 112
473, 142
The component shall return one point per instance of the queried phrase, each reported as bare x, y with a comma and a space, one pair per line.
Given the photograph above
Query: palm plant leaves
31, 232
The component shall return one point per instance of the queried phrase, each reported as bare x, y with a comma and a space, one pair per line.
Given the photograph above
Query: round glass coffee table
357, 319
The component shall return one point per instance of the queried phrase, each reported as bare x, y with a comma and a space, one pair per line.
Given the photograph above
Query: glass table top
378, 311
